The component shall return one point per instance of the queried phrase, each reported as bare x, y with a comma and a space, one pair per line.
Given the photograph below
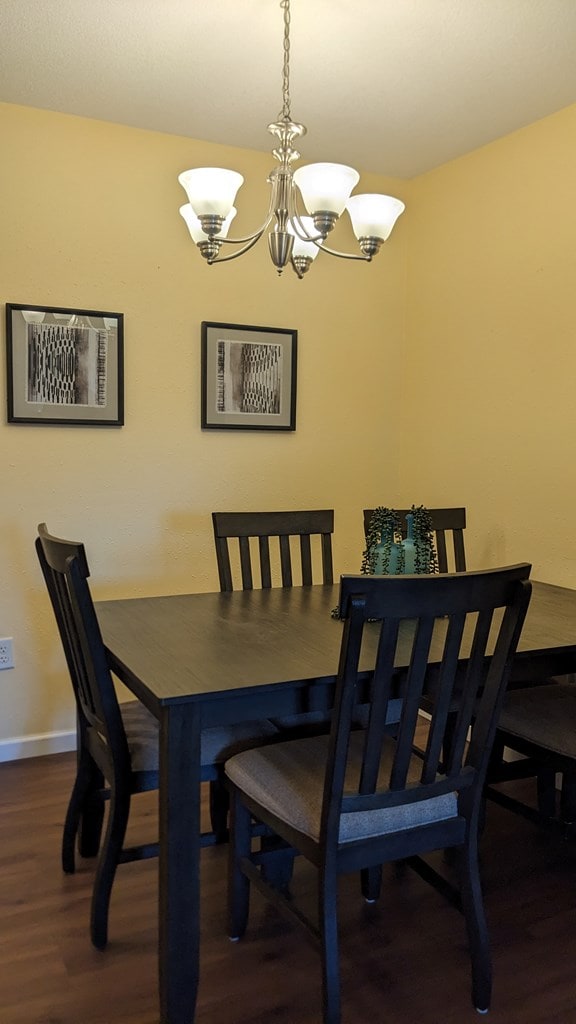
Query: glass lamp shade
325, 186
374, 216
195, 227
31, 316
211, 190
301, 248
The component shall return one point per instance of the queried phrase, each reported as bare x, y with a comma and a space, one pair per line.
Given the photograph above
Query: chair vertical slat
223, 562
285, 561
93, 657
306, 559
475, 669
50, 550
443, 698
459, 553
89, 694
245, 563
327, 570
344, 705
384, 672
265, 570
411, 702
441, 551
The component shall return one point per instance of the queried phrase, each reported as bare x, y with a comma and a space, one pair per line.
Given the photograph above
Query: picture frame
248, 377
64, 366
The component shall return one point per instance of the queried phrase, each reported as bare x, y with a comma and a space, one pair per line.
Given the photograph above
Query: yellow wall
89, 215
490, 420
455, 388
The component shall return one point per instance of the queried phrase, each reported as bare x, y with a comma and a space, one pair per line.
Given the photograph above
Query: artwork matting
248, 377
64, 366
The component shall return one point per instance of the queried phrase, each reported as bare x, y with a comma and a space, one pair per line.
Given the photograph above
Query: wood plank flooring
404, 961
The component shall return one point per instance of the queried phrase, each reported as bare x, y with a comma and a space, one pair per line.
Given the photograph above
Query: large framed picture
64, 366
248, 377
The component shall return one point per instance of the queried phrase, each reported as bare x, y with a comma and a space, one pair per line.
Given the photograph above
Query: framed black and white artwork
248, 377
64, 366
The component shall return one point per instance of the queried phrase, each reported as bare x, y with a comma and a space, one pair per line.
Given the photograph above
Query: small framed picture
248, 377
64, 366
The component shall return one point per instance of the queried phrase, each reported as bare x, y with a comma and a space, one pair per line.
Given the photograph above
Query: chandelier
296, 237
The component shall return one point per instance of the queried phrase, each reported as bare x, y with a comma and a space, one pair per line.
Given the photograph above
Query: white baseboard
20, 747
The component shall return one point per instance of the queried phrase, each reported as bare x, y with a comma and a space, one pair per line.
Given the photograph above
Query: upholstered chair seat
288, 778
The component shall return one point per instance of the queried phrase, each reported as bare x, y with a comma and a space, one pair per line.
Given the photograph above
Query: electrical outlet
6, 653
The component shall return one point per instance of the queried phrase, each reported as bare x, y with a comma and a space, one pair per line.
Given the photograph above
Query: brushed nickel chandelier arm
239, 252
318, 240
344, 255
325, 190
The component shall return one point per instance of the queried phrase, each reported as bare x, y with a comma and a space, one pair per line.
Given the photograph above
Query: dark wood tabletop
201, 646
194, 645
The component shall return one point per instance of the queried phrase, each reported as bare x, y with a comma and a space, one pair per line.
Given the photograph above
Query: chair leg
546, 790
328, 923
568, 801
478, 940
238, 883
371, 883
278, 870
84, 814
91, 822
219, 808
107, 864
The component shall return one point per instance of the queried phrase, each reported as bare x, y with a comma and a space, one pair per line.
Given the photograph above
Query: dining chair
447, 524
272, 549
271, 558
117, 743
354, 799
539, 724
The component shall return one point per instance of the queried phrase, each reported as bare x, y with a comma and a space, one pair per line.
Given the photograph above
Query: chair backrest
445, 521
459, 648
264, 526
65, 569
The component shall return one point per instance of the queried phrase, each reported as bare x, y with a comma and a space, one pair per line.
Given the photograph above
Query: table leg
179, 862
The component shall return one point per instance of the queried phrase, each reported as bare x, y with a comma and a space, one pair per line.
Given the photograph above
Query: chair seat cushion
217, 743
543, 715
288, 779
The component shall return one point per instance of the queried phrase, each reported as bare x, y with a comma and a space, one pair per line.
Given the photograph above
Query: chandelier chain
285, 114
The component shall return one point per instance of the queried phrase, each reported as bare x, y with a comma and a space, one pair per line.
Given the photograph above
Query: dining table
208, 659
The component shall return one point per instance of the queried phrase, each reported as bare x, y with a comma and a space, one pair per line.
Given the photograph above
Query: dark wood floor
404, 961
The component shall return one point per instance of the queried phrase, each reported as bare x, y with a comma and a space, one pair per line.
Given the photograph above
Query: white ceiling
391, 86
